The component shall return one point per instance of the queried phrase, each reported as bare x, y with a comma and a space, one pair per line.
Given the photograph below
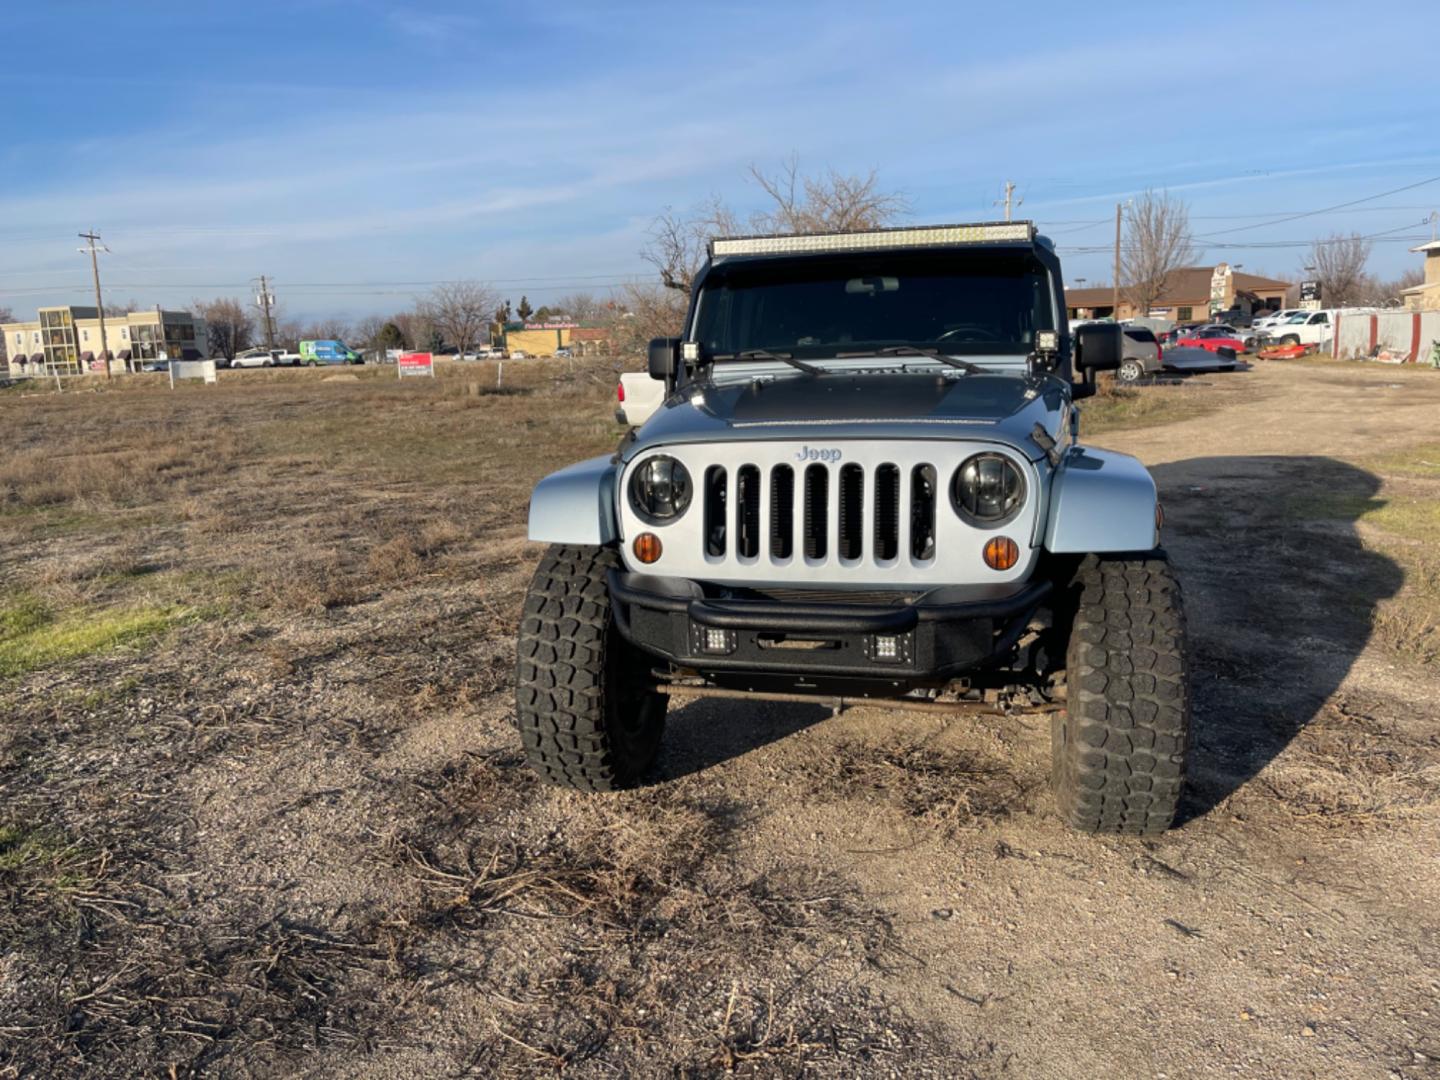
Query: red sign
415, 363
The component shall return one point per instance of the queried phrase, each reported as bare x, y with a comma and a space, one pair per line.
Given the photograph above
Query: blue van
328, 352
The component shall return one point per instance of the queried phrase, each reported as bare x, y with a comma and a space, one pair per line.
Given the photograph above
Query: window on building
1184, 314
84, 335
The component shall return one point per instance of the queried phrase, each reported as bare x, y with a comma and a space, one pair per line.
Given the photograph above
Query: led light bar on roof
876, 240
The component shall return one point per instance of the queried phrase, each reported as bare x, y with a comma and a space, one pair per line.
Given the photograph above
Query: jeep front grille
854, 515
846, 499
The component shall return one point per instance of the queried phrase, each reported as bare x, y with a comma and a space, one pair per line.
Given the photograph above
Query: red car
1214, 338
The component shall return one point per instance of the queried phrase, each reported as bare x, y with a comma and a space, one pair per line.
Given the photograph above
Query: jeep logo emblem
810, 453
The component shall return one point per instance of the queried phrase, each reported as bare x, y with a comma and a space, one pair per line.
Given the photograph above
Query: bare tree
461, 312
417, 326
326, 330
1338, 263
230, 327
582, 307
827, 202
642, 312
289, 333
1387, 293
1157, 243
366, 334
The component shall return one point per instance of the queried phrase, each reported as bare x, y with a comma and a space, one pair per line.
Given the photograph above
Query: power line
1325, 209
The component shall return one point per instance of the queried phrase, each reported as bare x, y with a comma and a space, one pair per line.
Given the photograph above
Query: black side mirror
665, 359
1098, 347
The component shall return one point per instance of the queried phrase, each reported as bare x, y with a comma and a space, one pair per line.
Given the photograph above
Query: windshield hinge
1041, 438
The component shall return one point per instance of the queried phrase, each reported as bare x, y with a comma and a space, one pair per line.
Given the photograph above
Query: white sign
192, 369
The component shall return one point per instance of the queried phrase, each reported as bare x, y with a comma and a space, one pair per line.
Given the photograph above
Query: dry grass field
262, 811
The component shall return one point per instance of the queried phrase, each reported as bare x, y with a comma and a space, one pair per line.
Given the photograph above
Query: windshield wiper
766, 354
917, 350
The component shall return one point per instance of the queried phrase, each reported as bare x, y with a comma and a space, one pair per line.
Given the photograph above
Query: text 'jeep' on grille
861, 478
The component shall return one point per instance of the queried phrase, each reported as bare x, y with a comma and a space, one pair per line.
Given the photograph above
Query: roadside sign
191, 369
415, 363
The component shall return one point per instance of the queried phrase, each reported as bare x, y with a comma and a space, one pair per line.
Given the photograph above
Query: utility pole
93, 238
1009, 192
1115, 299
265, 299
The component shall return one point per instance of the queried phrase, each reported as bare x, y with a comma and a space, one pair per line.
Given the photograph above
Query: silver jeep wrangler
865, 482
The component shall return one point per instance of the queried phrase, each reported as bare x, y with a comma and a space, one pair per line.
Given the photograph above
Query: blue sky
357, 150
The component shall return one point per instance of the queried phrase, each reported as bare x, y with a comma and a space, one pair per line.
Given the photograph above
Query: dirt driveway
288, 833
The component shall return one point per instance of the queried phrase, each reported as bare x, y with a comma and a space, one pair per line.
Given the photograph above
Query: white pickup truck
637, 397
1312, 328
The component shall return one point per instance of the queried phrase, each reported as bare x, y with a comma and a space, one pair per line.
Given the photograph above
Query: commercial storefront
67, 340
1191, 294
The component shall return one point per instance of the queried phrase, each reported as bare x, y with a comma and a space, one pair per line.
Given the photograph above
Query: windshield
967, 302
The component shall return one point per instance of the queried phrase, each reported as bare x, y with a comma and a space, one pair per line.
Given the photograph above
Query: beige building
67, 339
1191, 294
1426, 295
537, 339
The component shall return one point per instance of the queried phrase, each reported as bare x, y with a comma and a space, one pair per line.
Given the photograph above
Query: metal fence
1402, 337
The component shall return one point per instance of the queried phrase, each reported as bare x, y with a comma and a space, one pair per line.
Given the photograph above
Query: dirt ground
262, 811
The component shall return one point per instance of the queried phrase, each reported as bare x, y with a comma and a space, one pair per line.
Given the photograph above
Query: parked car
256, 358
1302, 328
564, 352
1174, 334
728, 547
1141, 354
290, 359
518, 354
1214, 337
1275, 318
1236, 317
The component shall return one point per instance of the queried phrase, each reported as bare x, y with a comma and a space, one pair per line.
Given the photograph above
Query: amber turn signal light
647, 547
1001, 553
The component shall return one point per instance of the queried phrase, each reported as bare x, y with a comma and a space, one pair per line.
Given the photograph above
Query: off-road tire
1130, 371
585, 704
1119, 748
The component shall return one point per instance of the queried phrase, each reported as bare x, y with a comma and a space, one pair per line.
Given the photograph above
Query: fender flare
1101, 501
576, 505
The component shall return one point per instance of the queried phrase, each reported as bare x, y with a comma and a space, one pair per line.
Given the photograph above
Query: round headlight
988, 489
660, 489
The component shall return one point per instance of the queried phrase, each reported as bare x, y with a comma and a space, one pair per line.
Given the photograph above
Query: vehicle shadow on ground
704, 733
1280, 597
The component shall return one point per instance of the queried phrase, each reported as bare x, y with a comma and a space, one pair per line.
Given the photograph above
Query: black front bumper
928, 638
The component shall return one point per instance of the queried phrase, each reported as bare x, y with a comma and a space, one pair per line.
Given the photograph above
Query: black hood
910, 405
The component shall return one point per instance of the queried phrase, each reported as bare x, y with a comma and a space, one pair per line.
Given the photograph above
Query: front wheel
1290, 339
1118, 750
585, 702
1130, 371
